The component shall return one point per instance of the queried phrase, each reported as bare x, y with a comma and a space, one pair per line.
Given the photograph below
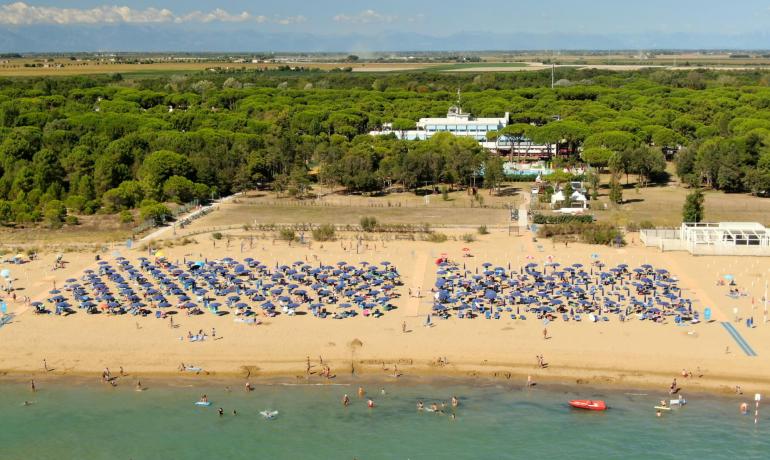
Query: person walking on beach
545, 333
403, 327
45, 365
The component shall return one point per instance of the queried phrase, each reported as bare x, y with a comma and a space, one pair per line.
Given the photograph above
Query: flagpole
765, 301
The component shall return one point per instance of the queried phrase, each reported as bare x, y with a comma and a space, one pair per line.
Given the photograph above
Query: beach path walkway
717, 313
739, 339
418, 283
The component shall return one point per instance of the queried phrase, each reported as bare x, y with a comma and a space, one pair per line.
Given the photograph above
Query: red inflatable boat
588, 404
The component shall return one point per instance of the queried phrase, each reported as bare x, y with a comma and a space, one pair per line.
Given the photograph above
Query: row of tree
103, 143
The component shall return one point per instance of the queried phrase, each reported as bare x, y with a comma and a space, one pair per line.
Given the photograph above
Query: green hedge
542, 219
591, 233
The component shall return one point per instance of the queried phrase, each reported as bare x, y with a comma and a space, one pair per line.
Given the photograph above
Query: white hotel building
464, 124
456, 122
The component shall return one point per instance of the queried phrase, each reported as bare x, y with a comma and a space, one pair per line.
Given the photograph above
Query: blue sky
617, 22
438, 17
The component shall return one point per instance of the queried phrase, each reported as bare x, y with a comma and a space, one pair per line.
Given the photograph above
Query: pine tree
692, 211
616, 190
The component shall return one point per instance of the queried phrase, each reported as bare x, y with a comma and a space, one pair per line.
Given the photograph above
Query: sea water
493, 421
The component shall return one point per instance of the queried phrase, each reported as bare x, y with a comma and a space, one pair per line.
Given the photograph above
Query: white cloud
218, 15
291, 20
365, 17
20, 13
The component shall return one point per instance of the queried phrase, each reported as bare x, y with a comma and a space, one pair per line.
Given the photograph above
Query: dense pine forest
82, 145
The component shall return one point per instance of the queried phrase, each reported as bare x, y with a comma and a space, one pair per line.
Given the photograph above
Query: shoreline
513, 375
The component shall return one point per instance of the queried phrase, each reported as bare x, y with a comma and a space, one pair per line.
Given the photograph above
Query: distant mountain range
126, 37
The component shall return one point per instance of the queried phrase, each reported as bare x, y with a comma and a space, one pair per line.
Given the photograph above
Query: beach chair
522, 317
565, 317
488, 314
604, 318
513, 316
497, 315
157, 314
577, 317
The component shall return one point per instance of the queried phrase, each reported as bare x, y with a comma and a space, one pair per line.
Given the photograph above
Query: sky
396, 25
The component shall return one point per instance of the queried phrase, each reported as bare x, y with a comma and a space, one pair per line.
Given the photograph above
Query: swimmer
361, 392
529, 381
235, 412
370, 404
658, 413
663, 403
248, 387
27, 403
453, 416
455, 402
346, 401
434, 407
221, 412
744, 408
420, 405
382, 391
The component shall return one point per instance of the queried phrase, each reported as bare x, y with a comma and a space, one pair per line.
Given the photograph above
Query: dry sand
631, 354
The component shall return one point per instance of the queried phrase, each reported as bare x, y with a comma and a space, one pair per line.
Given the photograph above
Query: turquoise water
70, 421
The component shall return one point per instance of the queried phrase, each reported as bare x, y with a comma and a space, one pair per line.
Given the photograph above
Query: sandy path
418, 285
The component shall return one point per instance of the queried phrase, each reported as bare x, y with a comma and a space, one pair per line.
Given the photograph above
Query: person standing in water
32, 385
361, 392
345, 401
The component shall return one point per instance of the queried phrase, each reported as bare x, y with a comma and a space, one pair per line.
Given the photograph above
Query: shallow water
69, 421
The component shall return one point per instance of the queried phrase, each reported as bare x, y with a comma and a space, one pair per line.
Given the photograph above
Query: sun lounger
565, 317
577, 317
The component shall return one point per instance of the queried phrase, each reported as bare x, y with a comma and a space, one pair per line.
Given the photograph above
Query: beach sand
630, 354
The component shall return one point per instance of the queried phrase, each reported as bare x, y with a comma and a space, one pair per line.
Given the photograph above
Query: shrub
368, 223
437, 237
601, 234
325, 232
54, 212
286, 234
591, 233
444, 193
71, 220
482, 230
75, 202
646, 225
216, 236
469, 238
542, 219
154, 211
126, 217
